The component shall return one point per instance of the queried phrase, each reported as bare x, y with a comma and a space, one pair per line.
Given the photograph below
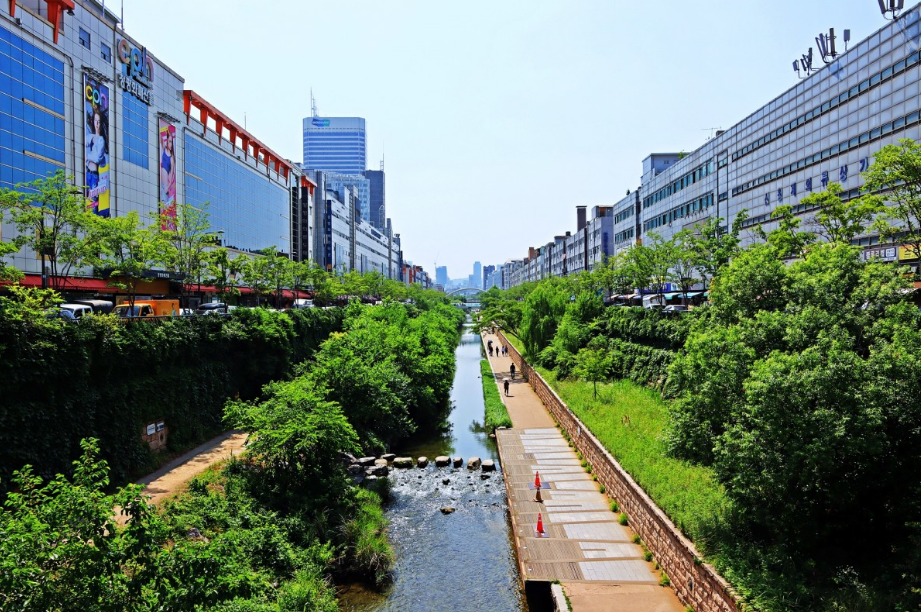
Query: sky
495, 118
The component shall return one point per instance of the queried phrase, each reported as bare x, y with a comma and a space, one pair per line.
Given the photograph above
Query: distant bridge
465, 290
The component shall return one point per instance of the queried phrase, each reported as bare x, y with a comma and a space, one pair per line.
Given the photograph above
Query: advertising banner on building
96, 145
167, 175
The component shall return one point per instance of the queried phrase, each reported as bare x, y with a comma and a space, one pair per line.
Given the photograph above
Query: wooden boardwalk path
583, 545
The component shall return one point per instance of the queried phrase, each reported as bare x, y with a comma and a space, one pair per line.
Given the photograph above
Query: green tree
51, 219
498, 308
787, 239
297, 433
267, 274
714, 247
801, 387
593, 364
187, 235
896, 169
541, 314
128, 250
684, 261
224, 271
840, 221
61, 548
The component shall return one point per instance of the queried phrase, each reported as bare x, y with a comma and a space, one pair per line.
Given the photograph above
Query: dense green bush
60, 383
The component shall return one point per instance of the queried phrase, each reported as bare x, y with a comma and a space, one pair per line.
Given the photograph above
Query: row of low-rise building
824, 129
79, 94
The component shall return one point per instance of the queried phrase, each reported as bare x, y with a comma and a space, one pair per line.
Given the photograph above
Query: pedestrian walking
505, 385
489, 348
511, 370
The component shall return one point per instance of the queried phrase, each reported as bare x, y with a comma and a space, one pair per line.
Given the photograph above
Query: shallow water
463, 561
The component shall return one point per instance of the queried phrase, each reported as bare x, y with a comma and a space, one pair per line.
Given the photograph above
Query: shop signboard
881, 253
907, 253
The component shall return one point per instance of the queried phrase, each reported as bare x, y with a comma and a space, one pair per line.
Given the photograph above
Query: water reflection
460, 561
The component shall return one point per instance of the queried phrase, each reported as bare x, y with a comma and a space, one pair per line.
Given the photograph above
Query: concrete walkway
583, 544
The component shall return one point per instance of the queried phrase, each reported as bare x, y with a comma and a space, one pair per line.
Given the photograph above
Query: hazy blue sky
497, 118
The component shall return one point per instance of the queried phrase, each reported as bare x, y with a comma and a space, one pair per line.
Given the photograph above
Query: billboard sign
317, 122
167, 165
96, 145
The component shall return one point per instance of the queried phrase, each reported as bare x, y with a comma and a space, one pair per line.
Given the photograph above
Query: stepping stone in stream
442, 461
474, 463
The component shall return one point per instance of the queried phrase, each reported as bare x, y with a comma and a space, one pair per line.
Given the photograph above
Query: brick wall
697, 584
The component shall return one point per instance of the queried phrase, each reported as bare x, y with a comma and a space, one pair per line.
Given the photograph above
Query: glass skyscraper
335, 144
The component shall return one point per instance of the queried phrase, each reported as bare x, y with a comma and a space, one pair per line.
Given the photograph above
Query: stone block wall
696, 583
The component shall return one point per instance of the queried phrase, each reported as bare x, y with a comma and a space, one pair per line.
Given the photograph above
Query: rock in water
457, 461
422, 462
388, 457
380, 462
366, 461
489, 465
447, 510
442, 461
473, 463
403, 462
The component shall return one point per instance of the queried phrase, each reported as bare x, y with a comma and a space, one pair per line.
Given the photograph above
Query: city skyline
530, 105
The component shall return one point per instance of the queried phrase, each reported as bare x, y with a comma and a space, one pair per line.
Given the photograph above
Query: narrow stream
463, 561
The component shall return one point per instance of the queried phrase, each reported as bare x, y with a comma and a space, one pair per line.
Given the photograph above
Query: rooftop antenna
891, 8
313, 104
803, 64
826, 45
847, 38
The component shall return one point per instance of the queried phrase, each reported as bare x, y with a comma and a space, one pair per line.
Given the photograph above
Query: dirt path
172, 477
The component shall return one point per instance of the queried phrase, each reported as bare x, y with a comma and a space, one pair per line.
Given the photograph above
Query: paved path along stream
584, 546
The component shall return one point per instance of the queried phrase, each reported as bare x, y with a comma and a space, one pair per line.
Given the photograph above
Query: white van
302, 303
78, 310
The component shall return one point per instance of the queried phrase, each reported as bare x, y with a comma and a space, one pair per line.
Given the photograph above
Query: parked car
98, 306
58, 313
212, 308
302, 303
77, 310
675, 309
149, 308
126, 311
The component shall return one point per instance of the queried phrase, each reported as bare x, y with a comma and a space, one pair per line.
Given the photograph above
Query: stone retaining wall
696, 583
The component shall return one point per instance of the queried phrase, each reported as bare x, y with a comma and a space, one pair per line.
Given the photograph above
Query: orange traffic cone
539, 499
540, 525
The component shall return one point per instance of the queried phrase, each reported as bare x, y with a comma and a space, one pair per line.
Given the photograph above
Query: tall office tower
335, 144
487, 270
378, 210
441, 276
477, 275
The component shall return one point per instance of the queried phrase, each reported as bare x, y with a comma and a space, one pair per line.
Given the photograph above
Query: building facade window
250, 208
135, 131
84, 38
31, 112
105, 52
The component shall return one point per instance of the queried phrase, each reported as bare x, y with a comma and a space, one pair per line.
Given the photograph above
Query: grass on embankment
629, 421
496, 414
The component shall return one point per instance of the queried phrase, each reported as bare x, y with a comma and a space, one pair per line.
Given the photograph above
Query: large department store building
824, 129
79, 94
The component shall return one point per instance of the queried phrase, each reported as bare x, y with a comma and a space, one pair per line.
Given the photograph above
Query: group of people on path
501, 351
